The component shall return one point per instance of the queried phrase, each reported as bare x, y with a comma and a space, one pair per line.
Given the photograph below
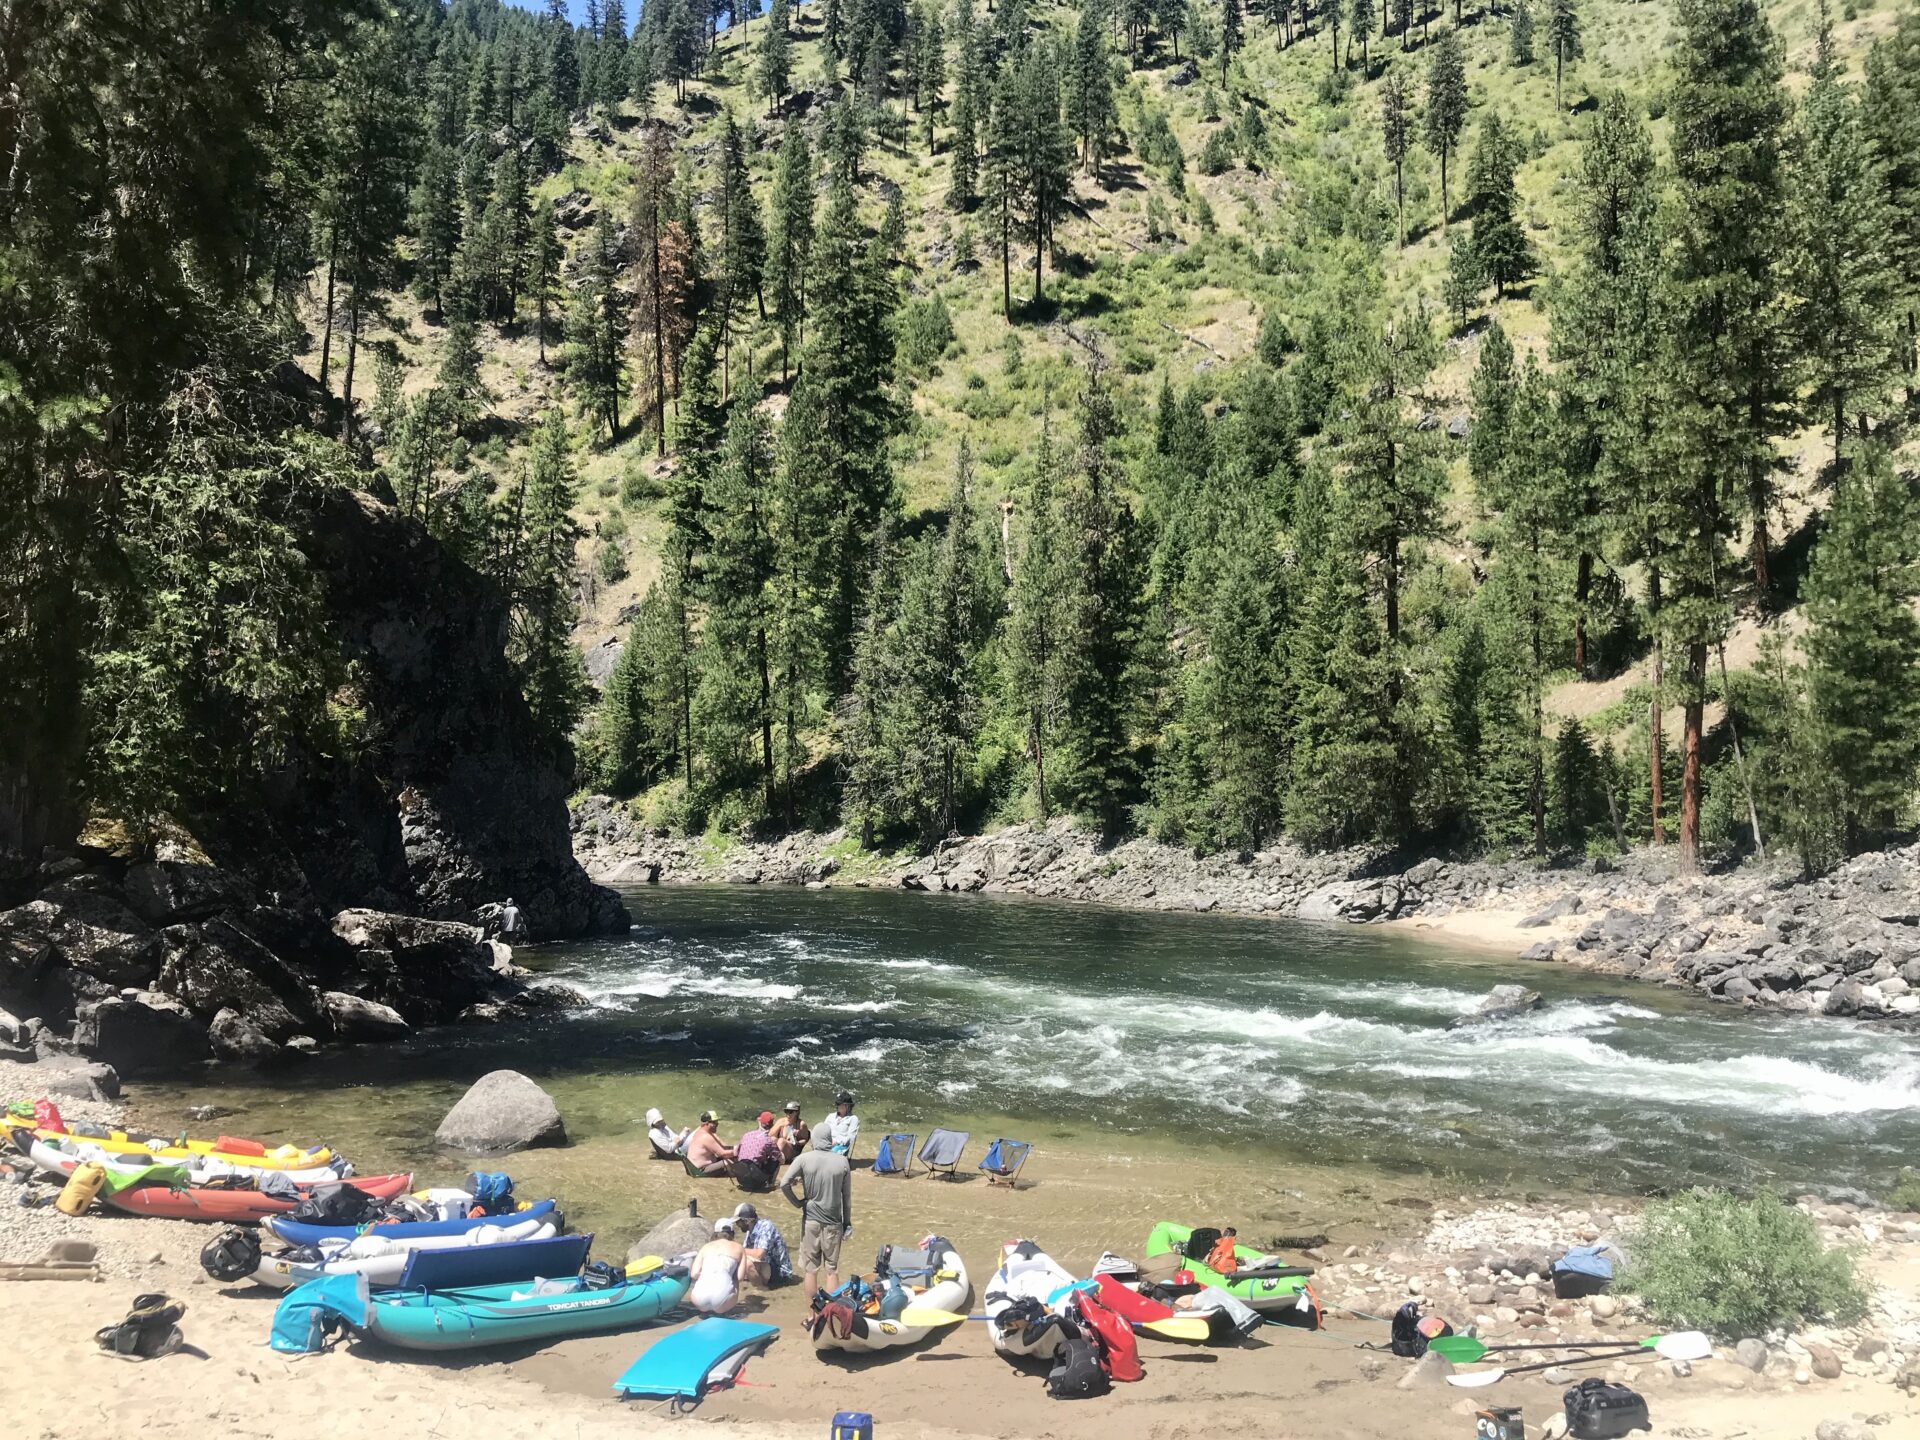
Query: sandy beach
1285, 1382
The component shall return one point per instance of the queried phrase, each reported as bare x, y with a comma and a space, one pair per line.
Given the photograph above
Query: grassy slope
1183, 308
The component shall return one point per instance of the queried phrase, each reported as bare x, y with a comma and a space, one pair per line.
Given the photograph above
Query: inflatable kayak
232, 1207
61, 1157
481, 1315
247, 1154
935, 1279
1022, 1302
1266, 1289
300, 1232
384, 1262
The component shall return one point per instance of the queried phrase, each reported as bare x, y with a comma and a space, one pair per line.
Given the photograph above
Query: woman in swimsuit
716, 1271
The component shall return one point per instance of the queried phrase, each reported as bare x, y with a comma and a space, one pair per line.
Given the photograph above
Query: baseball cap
766, 1117
723, 1226
845, 1097
706, 1115
745, 1211
793, 1107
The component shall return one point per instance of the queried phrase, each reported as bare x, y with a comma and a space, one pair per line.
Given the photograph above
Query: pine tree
1233, 33
435, 223
734, 702
1446, 108
775, 74
1563, 38
1098, 774
563, 58
596, 328
743, 248
1520, 33
542, 269
1863, 647
1002, 187
1396, 137
1725, 383
613, 69
1038, 621
1360, 14
1089, 92
930, 70
1500, 249
1495, 387
1841, 250
541, 640
660, 284
1890, 112
1043, 162
969, 101
790, 241
636, 727
464, 394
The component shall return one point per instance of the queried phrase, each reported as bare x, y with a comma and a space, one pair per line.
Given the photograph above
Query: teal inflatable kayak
481, 1315
1265, 1288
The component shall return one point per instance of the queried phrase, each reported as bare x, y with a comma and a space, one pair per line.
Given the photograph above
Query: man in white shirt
839, 1130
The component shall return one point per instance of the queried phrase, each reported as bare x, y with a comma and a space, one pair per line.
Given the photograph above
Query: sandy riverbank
1290, 1382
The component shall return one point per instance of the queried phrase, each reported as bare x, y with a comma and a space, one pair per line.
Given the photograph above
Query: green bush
1707, 1260
612, 561
1905, 1195
1216, 156
926, 330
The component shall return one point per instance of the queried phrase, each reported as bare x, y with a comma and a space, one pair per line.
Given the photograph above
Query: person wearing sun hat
757, 1157
839, 1130
790, 1132
706, 1151
667, 1142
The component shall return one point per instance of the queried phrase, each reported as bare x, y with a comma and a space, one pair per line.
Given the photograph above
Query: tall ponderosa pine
971, 111
1500, 249
665, 278
1396, 138
541, 640
790, 241
1890, 112
775, 73
1091, 112
743, 249
1446, 108
1563, 39
597, 327
542, 269
1037, 622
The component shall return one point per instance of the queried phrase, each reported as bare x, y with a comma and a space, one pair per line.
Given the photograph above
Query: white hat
653, 1117
723, 1227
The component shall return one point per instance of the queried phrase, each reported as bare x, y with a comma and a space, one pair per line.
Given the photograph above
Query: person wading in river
826, 1214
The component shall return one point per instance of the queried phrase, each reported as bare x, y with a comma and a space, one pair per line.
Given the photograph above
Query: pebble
1558, 1375
1415, 1286
1605, 1306
1555, 1427
1825, 1363
1753, 1354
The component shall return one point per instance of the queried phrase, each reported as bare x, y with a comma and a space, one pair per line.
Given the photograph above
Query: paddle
1174, 1327
1687, 1345
1464, 1349
927, 1315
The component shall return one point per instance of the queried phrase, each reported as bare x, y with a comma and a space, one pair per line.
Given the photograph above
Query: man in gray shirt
826, 1214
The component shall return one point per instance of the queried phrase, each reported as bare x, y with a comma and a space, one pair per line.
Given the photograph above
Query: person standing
509, 921
839, 1130
756, 1159
826, 1214
791, 1133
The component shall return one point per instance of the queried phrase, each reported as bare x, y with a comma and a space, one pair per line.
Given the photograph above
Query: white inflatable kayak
62, 1157
934, 1277
1023, 1302
379, 1259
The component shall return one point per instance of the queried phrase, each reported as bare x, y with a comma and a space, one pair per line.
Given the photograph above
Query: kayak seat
895, 1155
1004, 1161
940, 1152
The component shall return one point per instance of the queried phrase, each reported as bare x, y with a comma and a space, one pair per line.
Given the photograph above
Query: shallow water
1274, 1040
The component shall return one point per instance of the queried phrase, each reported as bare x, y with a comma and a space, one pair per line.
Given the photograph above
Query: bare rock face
356, 1019
502, 1111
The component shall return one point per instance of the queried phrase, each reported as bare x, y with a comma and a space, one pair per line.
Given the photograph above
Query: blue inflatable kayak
481, 1315
298, 1232
516, 1262
690, 1362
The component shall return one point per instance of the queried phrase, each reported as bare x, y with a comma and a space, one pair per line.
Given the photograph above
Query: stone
75, 1078
356, 1020
153, 1035
1825, 1363
1503, 1002
1753, 1354
1604, 1307
218, 965
1540, 950
83, 930
1429, 1372
677, 1233
426, 970
1559, 1375
1555, 1426
1482, 1295
234, 1037
1842, 1430
502, 1111
1415, 1285
163, 892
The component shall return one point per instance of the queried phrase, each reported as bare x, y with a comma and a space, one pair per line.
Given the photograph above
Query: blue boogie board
689, 1362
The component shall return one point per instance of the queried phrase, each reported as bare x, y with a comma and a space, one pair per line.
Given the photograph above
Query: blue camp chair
895, 1155
940, 1152
1004, 1161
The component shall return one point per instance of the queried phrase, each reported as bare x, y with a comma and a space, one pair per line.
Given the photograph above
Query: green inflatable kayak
1266, 1289
502, 1314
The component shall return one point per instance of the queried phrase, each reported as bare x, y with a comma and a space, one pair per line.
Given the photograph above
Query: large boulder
678, 1232
166, 891
1503, 1002
502, 1111
142, 1034
426, 970
1351, 900
234, 1037
71, 1077
219, 966
356, 1019
88, 931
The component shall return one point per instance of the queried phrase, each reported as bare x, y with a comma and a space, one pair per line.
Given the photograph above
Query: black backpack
1200, 1243
1077, 1373
1597, 1410
335, 1205
1407, 1341
231, 1255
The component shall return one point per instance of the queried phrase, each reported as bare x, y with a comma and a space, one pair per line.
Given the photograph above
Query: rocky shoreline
1843, 944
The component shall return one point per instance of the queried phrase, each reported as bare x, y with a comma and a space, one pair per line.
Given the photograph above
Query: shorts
820, 1246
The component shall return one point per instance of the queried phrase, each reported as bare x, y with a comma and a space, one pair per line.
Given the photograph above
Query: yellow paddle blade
1180, 1327
644, 1265
927, 1315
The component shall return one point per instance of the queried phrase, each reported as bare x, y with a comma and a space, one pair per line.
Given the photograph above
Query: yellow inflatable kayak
227, 1149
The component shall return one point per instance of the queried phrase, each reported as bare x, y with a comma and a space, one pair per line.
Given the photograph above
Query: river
1288, 1045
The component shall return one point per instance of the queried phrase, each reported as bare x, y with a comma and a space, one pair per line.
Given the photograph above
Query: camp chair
940, 1152
697, 1173
895, 1155
1004, 1161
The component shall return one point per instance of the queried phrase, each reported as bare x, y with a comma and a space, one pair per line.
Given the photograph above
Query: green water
1149, 1033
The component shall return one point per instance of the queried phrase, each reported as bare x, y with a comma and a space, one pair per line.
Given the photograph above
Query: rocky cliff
341, 900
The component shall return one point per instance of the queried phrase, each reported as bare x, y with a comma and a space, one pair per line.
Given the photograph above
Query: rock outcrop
502, 1111
678, 1232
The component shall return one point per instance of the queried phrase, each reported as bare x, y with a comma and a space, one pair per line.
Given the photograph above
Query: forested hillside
1364, 421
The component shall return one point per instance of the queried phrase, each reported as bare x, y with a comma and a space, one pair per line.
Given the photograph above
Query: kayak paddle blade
1683, 1345
1460, 1349
927, 1315
1477, 1379
1179, 1327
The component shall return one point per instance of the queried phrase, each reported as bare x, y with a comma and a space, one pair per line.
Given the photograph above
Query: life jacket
1221, 1258
1119, 1351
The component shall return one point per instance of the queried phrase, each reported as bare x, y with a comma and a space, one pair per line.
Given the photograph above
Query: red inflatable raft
232, 1206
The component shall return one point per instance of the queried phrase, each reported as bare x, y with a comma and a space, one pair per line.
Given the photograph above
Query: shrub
926, 330
612, 561
638, 485
1708, 1260
1216, 156
1905, 1195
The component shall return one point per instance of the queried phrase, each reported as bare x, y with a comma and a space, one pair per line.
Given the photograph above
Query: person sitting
716, 1271
707, 1153
839, 1130
791, 1133
756, 1159
666, 1141
768, 1262
1221, 1259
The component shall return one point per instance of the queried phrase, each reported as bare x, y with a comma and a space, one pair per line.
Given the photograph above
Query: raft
1028, 1273
60, 1157
510, 1248
945, 1296
482, 1315
1263, 1290
249, 1154
230, 1207
300, 1232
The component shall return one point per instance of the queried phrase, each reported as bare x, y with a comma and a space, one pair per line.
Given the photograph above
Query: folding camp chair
895, 1155
940, 1152
1004, 1161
